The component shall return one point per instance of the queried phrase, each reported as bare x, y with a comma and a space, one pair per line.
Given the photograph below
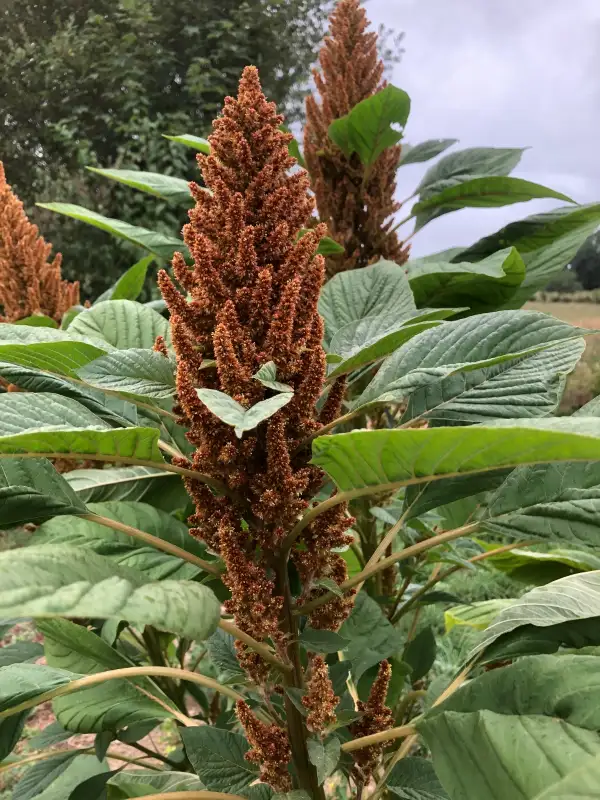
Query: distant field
584, 382
584, 314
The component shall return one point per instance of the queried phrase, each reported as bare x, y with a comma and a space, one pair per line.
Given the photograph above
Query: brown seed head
376, 717
320, 699
270, 748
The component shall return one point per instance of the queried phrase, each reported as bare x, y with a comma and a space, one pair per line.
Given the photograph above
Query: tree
95, 84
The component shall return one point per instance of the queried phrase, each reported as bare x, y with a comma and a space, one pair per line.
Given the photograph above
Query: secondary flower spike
251, 298
29, 282
357, 206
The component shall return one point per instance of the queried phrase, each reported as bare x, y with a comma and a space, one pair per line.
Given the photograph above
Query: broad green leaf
22, 682
473, 343
223, 655
498, 756
114, 410
319, 641
218, 758
120, 483
267, 375
58, 777
479, 615
48, 424
11, 729
31, 489
58, 352
139, 783
121, 548
424, 151
488, 191
37, 321
371, 635
531, 386
131, 283
294, 148
93, 788
580, 784
122, 323
547, 242
379, 289
373, 338
534, 567
552, 502
61, 580
295, 794
324, 755
570, 599
415, 779
133, 371
52, 734
165, 186
364, 462
20, 652
157, 243
484, 286
110, 706
233, 413
329, 247
464, 164
189, 140
367, 129
419, 653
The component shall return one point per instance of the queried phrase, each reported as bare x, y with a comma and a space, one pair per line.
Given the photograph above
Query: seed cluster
357, 204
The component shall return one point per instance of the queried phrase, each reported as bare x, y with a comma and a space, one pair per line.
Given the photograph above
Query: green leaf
488, 191
570, 599
415, 779
323, 755
48, 424
233, 413
122, 323
479, 615
11, 729
459, 346
189, 140
366, 462
498, 756
133, 371
31, 489
61, 580
372, 637
120, 483
424, 151
420, 652
52, 734
223, 655
329, 247
218, 758
295, 794
533, 567
484, 286
139, 783
157, 243
294, 148
267, 375
110, 706
93, 788
372, 338
320, 641
131, 283
22, 682
20, 652
121, 548
57, 777
379, 289
165, 186
37, 321
367, 129
547, 242
58, 352
464, 164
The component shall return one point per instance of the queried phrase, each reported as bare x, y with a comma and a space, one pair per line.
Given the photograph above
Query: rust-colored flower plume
357, 206
29, 282
250, 299
376, 717
270, 748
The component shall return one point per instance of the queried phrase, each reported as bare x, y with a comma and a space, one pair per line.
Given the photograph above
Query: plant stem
44, 755
154, 754
307, 776
413, 550
124, 673
263, 649
378, 738
154, 541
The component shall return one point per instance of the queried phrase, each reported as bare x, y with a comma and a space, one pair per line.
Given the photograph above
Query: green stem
154, 541
262, 649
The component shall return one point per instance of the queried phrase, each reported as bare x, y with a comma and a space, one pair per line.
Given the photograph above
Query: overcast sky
503, 73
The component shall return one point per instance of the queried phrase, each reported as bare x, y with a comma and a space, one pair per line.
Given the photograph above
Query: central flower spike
250, 299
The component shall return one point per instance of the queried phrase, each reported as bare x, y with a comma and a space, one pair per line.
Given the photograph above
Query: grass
584, 382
